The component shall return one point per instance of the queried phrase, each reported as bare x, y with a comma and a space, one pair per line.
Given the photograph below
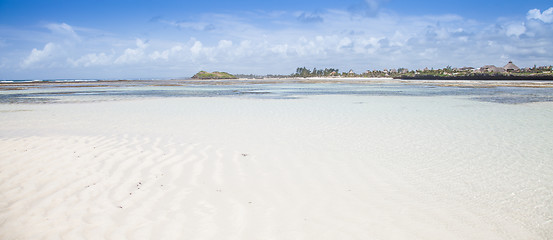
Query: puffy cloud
92, 59
515, 29
196, 48
278, 43
281, 49
132, 55
166, 54
546, 16
225, 44
345, 43
38, 56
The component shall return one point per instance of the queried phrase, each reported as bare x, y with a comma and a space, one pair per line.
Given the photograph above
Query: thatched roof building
510, 67
491, 68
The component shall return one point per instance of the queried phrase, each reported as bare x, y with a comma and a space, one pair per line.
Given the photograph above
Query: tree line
304, 72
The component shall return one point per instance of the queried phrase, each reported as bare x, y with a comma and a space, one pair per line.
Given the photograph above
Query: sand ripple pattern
132, 187
123, 188
317, 168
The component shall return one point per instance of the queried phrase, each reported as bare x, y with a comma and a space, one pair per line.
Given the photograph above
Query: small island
213, 75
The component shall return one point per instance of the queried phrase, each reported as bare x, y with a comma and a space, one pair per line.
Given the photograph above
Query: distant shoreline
474, 77
481, 77
451, 81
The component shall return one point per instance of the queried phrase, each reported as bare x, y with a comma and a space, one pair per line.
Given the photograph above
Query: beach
379, 159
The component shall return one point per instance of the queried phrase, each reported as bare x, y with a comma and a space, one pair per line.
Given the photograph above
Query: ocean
67, 90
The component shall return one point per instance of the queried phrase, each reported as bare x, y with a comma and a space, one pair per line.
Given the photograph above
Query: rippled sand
317, 167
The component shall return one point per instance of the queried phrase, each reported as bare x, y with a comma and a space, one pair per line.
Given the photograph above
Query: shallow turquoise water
129, 90
452, 158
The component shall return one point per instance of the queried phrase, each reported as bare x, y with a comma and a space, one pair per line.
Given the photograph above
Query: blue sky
149, 39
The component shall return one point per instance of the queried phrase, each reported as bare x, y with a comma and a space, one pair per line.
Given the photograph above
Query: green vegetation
213, 75
493, 73
304, 72
488, 72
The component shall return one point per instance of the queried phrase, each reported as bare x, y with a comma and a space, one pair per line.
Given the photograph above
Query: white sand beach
318, 167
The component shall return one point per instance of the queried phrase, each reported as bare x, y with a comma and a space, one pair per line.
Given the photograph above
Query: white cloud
132, 55
281, 49
38, 56
160, 55
166, 54
64, 30
344, 43
196, 48
225, 44
515, 29
351, 41
278, 43
92, 59
546, 16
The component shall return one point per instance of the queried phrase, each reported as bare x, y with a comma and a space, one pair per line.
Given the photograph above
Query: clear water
59, 92
418, 158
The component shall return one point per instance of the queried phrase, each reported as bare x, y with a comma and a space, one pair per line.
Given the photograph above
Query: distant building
491, 68
510, 67
466, 69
